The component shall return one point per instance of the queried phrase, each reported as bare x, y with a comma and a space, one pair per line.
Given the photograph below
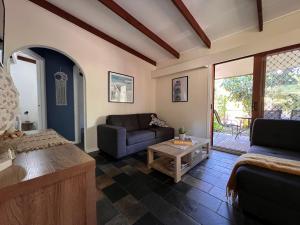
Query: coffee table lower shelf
162, 164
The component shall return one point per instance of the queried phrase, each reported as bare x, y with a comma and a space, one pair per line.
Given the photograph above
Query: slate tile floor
130, 193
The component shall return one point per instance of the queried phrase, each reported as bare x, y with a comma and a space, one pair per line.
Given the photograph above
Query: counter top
38, 167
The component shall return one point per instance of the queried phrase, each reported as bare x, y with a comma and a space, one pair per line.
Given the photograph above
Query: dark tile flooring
129, 193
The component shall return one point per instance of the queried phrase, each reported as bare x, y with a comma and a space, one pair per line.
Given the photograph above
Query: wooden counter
54, 186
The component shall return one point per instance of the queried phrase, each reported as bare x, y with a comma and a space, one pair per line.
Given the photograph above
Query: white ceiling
218, 18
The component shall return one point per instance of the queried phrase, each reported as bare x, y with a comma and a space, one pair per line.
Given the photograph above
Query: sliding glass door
233, 89
266, 85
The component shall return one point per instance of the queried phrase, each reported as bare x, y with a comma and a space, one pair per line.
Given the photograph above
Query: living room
163, 69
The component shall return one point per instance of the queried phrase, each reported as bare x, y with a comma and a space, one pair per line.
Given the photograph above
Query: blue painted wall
59, 118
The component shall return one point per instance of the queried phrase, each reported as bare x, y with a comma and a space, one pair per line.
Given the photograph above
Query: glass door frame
259, 74
212, 106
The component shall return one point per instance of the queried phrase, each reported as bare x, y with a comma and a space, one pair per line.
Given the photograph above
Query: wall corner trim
93, 149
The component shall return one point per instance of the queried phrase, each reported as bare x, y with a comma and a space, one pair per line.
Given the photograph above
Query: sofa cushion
276, 152
138, 136
163, 132
144, 120
115, 120
282, 134
130, 122
130, 149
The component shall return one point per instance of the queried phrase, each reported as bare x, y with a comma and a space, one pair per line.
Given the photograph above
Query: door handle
254, 106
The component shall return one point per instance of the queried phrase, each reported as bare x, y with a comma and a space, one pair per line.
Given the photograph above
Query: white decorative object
6, 159
61, 88
9, 103
182, 136
181, 132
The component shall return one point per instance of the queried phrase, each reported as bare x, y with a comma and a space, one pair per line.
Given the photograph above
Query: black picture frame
186, 89
110, 73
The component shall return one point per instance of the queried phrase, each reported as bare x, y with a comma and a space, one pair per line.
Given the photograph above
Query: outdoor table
241, 129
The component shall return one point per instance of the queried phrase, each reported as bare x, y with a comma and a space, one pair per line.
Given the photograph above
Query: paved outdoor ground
240, 144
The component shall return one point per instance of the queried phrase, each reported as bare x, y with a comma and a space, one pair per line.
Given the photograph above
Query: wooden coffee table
171, 157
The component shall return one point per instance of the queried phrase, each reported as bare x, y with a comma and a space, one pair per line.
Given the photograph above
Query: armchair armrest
112, 140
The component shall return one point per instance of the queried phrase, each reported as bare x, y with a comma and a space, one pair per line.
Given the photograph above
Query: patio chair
273, 114
295, 115
227, 124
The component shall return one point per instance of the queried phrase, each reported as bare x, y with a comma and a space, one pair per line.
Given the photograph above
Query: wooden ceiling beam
67, 16
117, 9
192, 21
260, 15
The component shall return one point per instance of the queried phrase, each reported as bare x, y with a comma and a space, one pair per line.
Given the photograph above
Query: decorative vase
182, 136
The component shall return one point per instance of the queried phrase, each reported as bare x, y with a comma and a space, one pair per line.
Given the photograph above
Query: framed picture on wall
180, 89
120, 88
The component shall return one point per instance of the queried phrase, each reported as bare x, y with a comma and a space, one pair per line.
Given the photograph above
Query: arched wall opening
57, 114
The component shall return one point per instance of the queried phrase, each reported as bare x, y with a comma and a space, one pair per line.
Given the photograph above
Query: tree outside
282, 91
233, 99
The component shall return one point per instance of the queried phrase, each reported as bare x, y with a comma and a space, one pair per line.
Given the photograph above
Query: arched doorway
52, 92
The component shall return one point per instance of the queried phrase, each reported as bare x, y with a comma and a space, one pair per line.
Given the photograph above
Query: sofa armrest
112, 140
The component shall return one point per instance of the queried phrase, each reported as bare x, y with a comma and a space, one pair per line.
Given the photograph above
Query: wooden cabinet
54, 186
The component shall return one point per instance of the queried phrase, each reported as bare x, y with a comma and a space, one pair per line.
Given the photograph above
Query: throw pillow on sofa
157, 122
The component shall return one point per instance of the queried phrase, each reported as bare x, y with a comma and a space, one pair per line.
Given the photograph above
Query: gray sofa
272, 196
123, 135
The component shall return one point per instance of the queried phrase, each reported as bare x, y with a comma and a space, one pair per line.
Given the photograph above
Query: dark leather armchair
272, 196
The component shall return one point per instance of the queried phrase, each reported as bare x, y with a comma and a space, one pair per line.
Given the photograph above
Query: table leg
150, 155
207, 150
177, 169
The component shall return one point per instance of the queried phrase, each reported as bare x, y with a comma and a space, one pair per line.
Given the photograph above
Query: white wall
234, 68
30, 25
193, 115
24, 75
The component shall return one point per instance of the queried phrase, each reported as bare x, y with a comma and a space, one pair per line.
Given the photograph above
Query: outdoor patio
233, 108
241, 144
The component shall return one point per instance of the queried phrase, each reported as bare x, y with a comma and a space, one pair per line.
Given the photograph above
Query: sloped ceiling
217, 18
